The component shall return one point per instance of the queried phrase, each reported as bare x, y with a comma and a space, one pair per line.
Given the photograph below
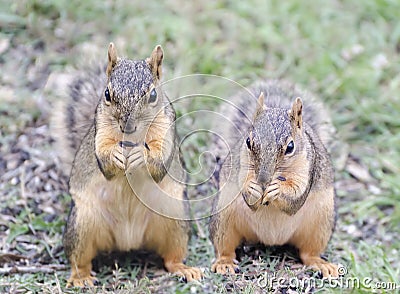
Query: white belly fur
126, 215
274, 227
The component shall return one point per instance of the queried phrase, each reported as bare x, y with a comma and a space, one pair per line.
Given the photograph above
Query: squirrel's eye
248, 143
107, 95
153, 96
289, 148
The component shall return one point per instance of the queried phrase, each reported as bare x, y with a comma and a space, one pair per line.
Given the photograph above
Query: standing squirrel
127, 181
276, 183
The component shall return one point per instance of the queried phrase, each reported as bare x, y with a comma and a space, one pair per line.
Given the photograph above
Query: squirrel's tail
74, 114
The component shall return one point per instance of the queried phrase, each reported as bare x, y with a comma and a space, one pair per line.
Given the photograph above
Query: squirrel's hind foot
81, 276
327, 269
225, 266
88, 281
189, 273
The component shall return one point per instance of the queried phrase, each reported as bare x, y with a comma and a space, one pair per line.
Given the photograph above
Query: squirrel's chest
130, 228
124, 214
272, 226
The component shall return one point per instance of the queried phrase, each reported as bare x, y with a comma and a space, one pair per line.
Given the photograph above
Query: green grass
347, 52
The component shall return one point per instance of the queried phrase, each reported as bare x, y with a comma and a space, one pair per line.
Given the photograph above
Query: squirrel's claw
225, 266
271, 193
82, 282
253, 194
135, 158
184, 271
315, 262
130, 161
118, 157
327, 269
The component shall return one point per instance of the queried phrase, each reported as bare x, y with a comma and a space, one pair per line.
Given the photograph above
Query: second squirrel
276, 183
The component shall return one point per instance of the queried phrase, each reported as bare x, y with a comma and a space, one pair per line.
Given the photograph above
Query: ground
346, 52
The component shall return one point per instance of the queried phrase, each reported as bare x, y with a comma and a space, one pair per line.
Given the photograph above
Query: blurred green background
346, 52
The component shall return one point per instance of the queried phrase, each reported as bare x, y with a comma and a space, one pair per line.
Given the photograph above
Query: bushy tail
74, 114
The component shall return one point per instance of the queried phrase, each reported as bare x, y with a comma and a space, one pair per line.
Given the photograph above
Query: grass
345, 51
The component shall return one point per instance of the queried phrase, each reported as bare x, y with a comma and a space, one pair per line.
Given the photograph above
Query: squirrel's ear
155, 61
112, 58
296, 113
260, 105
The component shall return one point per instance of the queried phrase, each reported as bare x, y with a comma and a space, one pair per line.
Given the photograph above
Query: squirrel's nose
128, 130
263, 177
128, 127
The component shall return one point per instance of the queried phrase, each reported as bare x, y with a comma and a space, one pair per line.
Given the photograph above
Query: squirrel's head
274, 139
132, 96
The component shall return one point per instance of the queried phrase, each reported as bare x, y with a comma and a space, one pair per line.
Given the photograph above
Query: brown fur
117, 190
296, 202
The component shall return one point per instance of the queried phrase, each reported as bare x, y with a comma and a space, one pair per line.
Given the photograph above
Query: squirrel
122, 128
276, 182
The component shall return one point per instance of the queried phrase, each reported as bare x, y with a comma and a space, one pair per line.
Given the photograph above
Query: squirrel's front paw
252, 194
135, 158
118, 157
272, 192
